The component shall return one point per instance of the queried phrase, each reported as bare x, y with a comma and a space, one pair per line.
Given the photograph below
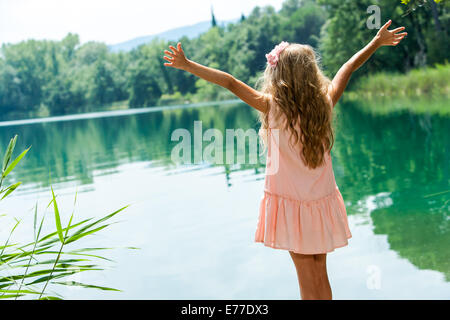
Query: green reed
425, 90
27, 270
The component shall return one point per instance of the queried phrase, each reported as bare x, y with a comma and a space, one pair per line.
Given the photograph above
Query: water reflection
72, 150
402, 155
406, 156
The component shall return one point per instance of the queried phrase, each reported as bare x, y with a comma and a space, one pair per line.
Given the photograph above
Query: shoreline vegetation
42, 78
425, 90
30, 270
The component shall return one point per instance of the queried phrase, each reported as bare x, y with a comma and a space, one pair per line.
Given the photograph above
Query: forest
43, 77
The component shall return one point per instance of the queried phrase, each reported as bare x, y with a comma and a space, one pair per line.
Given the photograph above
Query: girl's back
294, 178
302, 208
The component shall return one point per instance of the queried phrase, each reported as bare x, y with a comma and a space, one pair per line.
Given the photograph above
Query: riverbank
210, 95
420, 91
114, 113
424, 90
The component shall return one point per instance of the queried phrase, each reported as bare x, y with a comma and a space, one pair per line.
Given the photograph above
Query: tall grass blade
7, 296
79, 236
10, 189
9, 237
36, 237
81, 230
60, 275
15, 162
19, 291
50, 235
52, 261
34, 221
9, 150
57, 218
74, 283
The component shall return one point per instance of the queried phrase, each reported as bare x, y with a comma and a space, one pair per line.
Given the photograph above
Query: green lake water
195, 224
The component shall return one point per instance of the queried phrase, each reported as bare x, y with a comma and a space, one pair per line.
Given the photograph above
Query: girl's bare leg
312, 276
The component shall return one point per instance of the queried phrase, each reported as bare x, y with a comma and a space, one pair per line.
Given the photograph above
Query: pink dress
302, 209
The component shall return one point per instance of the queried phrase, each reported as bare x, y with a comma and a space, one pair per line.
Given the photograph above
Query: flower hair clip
273, 56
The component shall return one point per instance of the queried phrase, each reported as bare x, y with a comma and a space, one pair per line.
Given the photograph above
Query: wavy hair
299, 88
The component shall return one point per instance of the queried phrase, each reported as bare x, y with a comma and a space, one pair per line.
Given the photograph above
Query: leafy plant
414, 4
27, 270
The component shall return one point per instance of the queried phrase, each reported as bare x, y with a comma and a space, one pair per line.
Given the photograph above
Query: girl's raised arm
177, 59
384, 37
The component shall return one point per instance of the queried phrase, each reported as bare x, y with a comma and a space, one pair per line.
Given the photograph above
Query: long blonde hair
299, 88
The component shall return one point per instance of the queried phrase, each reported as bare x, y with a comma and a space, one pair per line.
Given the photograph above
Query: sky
111, 21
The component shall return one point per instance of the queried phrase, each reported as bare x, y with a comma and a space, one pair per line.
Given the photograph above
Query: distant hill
191, 31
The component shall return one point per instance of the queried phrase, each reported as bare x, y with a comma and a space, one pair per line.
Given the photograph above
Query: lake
195, 224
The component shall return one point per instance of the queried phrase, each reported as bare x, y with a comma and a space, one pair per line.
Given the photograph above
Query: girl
302, 209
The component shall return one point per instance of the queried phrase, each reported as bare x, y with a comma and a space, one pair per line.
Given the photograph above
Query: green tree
69, 45
144, 89
304, 24
61, 97
213, 19
104, 86
345, 32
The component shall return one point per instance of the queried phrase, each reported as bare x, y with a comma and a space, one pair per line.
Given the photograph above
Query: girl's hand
387, 37
176, 57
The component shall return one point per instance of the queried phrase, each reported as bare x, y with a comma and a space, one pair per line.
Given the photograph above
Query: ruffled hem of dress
303, 226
